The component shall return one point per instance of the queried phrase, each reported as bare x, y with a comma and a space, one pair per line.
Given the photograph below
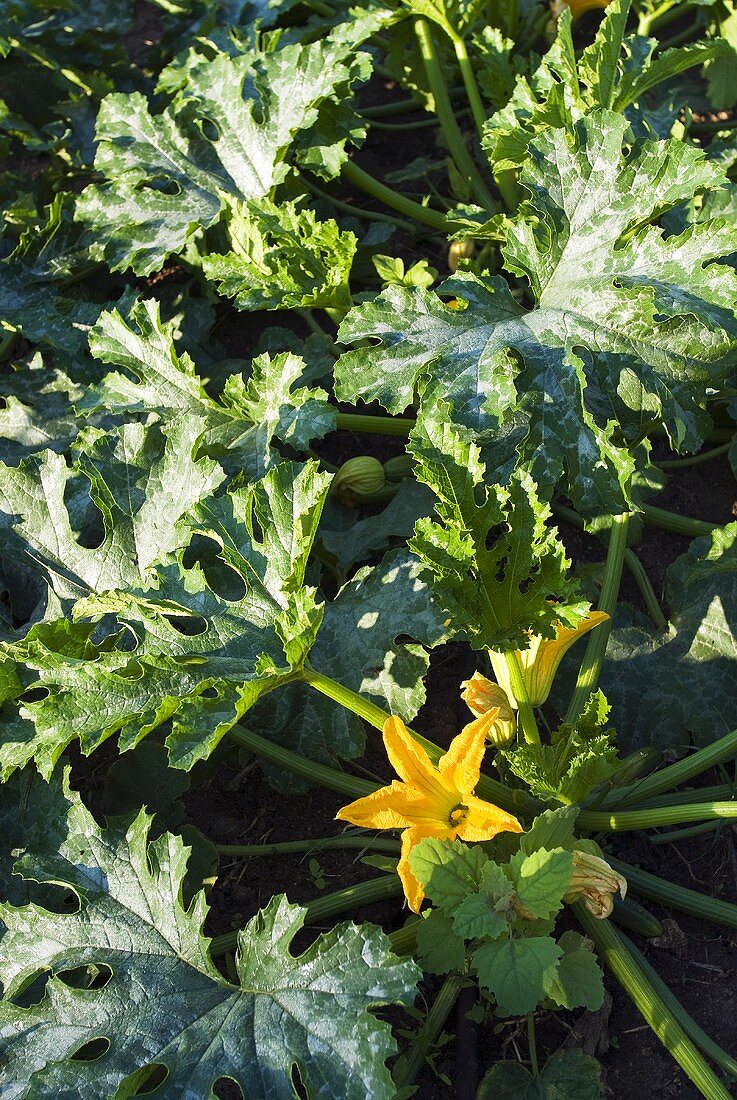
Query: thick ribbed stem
446, 116
425, 215
410, 1064
678, 525
376, 425
347, 785
668, 894
588, 674
675, 775
611, 945
629, 820
318, 844
519, 690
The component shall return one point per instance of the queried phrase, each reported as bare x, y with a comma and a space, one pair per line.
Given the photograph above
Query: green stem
695, 1033
514, 801
676, 11
713, 127
588, 674
646, 21
696, 460
532, 1044
376, 425
519, 690
410, 1064
628, 820
399, 127
678, 39
630, 914
388, 110
678, 525
313, 325
453, 136
423, 214
469, 81
632, 562
344, 784
611, 945
329, 906
674, 775
671, 896
358, 211
319, 844
675, 835
718, 792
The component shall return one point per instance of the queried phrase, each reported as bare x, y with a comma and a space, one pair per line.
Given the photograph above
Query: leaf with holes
627, 325
165, 1004
197, 643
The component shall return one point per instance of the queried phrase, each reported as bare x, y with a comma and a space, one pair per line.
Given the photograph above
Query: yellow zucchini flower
540, 662
487, 700
429, 800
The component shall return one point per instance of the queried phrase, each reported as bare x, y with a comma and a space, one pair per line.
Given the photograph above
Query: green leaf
358, 646
283, 258
578, 982
494, 563
653, 316
541, 879
448, 869
34, 816
199, 646
37, 409
140, 526
517, 972
240, 428
439, 949
350, 539
310, 1011
478, 918
550, 829
567, 1075
697, 651
578, 758
225, 137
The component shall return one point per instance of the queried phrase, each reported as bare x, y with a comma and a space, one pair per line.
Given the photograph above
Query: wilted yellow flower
487, 700
594, 883
430, 801
540, 662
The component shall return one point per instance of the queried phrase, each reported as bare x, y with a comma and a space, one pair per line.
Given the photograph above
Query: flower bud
399, 467
484, 697
356, 478
459, 250
594, 883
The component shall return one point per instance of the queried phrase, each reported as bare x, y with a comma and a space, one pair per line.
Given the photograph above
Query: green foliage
311, 1011
578, 758
169, 176
697, 651
205, 643
283, 258
567, 1075
503, 913
655, 316
495, 564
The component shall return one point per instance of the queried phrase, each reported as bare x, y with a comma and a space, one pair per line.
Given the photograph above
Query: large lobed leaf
628, 325
164, 1003
196, 642
225, 137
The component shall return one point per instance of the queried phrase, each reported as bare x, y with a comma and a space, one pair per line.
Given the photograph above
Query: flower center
458, 815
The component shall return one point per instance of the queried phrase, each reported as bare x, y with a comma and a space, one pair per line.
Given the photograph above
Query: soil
234, 804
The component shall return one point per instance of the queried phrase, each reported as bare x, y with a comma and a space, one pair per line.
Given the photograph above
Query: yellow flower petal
461, 764
409, 759
414, 891
390, 807
484, 820
540, 662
